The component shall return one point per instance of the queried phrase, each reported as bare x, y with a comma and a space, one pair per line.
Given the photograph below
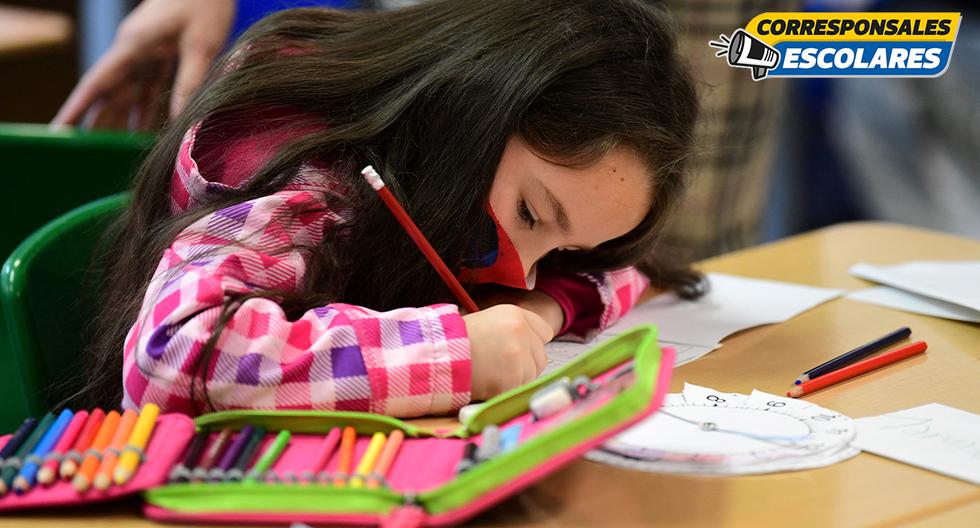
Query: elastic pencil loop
14, 462
234, 475
73, 455
114, 451
379, 478
325, 478
133, 449
216, 475
53, 456
34, 459
305, 475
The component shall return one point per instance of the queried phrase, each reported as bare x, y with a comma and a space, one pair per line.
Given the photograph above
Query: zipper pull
408, 515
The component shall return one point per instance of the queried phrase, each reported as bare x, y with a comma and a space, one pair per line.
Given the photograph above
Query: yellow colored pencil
130, 458
370, 457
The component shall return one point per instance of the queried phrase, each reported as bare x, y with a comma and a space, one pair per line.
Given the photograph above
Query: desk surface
25, 30
865, 490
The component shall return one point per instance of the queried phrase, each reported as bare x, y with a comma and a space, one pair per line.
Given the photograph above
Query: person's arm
405, 362
577, 306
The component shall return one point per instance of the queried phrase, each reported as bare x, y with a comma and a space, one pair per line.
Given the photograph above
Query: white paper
733, 304
704, 431
915, 303
954, 281
935, 437
560, 353
695, 328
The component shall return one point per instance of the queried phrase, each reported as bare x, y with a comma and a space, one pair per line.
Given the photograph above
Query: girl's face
545, 207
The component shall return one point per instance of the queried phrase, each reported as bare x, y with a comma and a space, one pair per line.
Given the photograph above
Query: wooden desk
866, 490
25, 30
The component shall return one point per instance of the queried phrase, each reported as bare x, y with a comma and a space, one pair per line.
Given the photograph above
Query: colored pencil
182, 472
27, 477
130, 458
14, 463
73, 458
347, 443
387, 458
103, 476
269, 457
851, 356
237, 471
368, 460
374, 179
49, 471
25, 429
213, 455
326, 451
93, 455
232, 454
857, 369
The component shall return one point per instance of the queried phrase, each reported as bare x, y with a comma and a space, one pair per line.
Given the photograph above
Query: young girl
538, 145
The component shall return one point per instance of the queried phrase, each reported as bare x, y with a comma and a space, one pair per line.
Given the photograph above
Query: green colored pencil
270, 455
10, 471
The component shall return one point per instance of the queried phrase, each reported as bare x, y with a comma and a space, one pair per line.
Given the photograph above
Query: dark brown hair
429, 95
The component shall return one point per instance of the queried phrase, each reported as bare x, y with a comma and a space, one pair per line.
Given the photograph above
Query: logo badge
842, 44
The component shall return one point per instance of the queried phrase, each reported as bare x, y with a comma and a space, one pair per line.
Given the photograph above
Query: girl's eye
524, 212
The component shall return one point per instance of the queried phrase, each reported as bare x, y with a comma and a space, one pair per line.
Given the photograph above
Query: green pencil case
630, 376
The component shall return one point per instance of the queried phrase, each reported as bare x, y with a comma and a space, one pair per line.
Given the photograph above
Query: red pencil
857, 369
389, 199
49, 471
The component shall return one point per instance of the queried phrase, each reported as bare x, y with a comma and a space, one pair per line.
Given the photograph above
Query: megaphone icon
746, 51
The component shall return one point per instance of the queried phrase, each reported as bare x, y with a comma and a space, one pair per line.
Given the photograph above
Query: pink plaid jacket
405, 362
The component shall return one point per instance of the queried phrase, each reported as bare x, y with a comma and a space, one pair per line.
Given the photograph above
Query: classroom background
775, 158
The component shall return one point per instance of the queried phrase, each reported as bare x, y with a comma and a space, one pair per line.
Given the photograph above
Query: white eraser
372, 177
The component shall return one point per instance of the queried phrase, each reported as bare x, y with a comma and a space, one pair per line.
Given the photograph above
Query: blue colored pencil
14, 463
850, 357
28, 474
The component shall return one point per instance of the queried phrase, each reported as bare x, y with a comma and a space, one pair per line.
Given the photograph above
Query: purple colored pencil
231, 455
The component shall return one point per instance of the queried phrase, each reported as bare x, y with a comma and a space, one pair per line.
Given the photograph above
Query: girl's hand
506, 348
540, 303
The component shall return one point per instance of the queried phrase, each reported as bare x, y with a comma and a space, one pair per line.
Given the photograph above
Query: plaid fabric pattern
405, 362
723, 208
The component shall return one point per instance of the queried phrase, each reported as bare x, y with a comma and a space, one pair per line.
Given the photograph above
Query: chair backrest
43, 290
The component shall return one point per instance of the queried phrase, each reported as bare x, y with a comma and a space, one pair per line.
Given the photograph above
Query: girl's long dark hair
428, 95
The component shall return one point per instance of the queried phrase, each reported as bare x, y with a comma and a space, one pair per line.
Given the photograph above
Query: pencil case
423, 487
170, 434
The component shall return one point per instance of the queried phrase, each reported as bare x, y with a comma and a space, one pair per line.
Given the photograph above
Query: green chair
42, 294
44, 174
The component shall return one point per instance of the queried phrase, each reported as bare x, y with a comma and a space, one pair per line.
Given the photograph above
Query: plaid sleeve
405, 362
618, 290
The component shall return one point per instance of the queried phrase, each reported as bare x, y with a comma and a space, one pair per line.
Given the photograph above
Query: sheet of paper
560, 353
911, 302
954, 281
935, 437
733, 304
695, 328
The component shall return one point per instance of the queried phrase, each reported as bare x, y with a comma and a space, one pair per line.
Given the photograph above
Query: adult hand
159, 43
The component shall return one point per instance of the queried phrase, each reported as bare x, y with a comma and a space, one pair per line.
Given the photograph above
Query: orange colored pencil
93, 455
103, 477
857, 369
346, 461
387, 457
